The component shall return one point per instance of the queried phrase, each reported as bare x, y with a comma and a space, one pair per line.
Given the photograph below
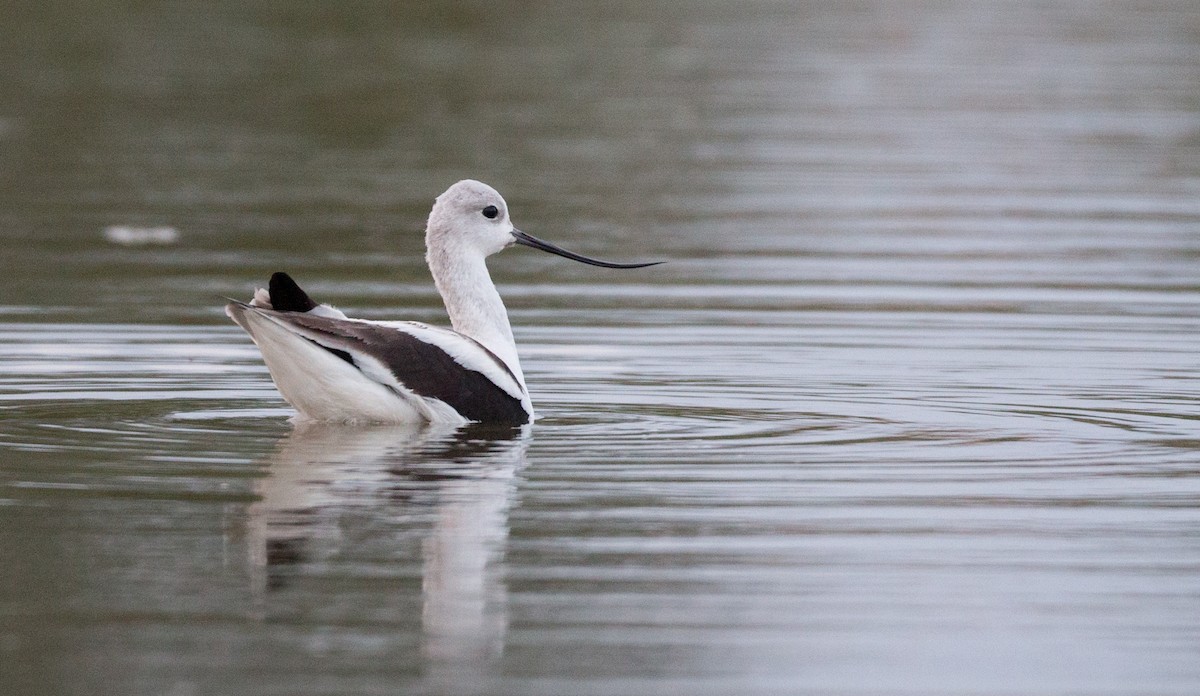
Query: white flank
322, 386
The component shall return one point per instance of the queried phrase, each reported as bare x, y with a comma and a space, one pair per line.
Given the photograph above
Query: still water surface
912, 409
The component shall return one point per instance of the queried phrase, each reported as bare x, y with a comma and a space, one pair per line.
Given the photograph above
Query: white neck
474, 306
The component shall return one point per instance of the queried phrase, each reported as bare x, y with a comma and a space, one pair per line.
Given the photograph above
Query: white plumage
333, 368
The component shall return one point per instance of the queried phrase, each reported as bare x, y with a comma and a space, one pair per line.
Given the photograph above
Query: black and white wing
348, 369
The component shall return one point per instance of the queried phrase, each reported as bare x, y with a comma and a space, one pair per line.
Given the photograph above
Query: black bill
531, 241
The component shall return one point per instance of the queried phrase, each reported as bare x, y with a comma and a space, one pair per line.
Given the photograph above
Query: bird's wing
432, 363
285, 295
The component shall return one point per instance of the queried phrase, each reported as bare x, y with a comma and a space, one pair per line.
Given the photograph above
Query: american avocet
333, 368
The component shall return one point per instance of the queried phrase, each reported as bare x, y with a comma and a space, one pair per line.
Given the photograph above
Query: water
912, 409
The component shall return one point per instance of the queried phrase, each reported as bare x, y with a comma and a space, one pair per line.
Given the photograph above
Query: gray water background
911, 409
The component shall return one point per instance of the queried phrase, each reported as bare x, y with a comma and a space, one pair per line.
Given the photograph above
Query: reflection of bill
455, 486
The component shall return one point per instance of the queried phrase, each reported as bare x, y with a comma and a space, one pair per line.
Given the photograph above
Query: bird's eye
491, 212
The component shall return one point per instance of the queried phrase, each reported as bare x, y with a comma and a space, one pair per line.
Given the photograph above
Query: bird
334, 368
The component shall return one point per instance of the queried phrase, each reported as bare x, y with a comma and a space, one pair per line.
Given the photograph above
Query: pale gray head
472, 217
469, 217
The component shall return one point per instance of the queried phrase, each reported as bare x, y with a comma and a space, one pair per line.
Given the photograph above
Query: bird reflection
451, 486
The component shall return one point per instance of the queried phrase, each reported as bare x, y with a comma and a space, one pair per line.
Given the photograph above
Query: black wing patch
422, 367
286, 295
